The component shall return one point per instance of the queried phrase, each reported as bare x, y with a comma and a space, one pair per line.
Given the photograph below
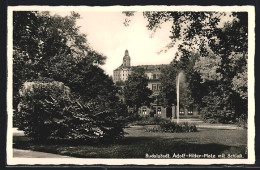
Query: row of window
117, 77
159, 111
190, 111
154, 76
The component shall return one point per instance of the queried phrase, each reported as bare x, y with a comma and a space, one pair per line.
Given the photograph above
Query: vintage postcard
131, 85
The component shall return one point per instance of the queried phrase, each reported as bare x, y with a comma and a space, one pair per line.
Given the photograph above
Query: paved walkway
17, 132
201, 124
218, 126
19, 153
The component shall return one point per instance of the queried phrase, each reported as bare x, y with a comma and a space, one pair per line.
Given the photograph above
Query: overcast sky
107, 34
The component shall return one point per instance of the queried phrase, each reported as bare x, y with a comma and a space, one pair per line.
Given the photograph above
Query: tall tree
136, 92
169, 75
40, 37
51, 46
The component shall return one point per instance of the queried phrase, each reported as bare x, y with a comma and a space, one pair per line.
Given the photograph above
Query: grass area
138, 143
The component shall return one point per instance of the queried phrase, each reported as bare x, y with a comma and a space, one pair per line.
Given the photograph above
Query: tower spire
126, 53
126, 59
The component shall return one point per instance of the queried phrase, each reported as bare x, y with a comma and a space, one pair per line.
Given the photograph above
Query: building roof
122, 67
145, 67
151, 67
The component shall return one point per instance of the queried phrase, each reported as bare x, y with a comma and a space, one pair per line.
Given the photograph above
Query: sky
107, 34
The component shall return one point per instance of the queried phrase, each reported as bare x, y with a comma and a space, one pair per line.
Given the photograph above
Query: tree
136, 92
40, 37
61, 53
169, 80
207, 35
168, 84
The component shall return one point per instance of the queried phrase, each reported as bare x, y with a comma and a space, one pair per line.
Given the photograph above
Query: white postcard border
92, 161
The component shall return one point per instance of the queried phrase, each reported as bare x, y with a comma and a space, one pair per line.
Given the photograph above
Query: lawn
137, 143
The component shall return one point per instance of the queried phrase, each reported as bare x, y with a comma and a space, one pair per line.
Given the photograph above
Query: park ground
138, 143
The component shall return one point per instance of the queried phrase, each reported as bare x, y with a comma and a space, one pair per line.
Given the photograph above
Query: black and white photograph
139, 85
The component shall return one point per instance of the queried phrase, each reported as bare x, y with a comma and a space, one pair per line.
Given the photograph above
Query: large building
122, 72
153, 73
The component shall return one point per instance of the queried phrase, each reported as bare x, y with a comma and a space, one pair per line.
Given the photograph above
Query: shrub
219, 116
172, 127
48, 110
146, 120
153, 128
242, 121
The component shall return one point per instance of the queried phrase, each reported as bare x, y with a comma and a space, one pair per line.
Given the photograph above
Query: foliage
136, 92
46, 111
207, 68
39, 38
172, 127
217, 73
239, 84
168, 84
242, 121
187, 83
49, 111
128, 14
51, 46
147, 120
159, 124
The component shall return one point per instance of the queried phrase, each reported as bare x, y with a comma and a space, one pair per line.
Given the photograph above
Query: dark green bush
47, 110
219, 116
146, 120
242, 121
172, 127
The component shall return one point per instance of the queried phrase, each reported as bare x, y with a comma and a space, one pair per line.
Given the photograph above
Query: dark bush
47, 110
242, 121
219, 116
172, 127
146, 120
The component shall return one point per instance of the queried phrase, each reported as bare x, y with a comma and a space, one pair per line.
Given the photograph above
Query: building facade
122, 72
153, 72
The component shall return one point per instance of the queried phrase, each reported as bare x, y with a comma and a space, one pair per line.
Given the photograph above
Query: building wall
160, 111
116, 76
149, 75
125, 72
186, 112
